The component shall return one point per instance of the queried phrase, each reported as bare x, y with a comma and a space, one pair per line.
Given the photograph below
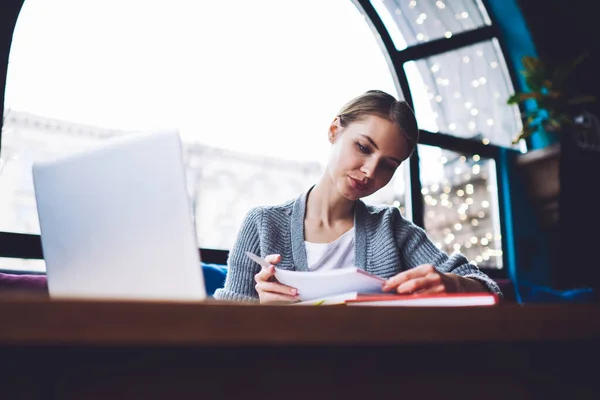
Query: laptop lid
116, 221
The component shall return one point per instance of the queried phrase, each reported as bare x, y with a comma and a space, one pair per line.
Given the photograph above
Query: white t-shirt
334, 255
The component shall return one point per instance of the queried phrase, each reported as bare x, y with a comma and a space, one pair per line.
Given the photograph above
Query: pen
260, 261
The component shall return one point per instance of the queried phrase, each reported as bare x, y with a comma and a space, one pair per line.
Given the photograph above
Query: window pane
22, 264
461, 204
252, 95
415, 21
464, 93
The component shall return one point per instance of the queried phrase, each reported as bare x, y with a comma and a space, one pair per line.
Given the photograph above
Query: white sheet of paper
329, 300
317, 284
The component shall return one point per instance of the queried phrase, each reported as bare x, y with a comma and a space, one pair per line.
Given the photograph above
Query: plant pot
562, 182
540, 171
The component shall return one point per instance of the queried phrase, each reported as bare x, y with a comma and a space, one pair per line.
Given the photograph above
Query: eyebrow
377, 147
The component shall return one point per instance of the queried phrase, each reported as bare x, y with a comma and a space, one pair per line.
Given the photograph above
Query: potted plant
559, 178
550, 107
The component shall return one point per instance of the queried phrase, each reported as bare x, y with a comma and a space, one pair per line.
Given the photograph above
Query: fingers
276, 298
432, 281
274, 287
273, 292
412, 286
270, 291
265, 274
413, 273
273, 258
434, 290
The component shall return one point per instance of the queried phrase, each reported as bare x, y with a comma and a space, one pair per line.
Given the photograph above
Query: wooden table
130, 350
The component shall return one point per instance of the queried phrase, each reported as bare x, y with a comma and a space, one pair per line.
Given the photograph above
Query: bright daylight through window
251, 95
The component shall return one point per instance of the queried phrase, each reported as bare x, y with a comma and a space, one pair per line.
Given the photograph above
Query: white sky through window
262, 77
256, 77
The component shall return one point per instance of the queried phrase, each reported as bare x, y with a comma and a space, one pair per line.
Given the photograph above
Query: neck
326, 205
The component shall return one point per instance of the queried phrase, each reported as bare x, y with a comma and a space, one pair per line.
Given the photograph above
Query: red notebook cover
432, 300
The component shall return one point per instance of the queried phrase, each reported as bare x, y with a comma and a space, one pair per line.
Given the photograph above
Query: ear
334, 130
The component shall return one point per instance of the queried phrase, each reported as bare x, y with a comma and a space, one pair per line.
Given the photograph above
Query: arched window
450, 66
251, 86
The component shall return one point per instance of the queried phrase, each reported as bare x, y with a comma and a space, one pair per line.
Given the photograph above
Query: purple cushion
36, 283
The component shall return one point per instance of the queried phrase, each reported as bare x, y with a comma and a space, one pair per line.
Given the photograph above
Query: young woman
329, 227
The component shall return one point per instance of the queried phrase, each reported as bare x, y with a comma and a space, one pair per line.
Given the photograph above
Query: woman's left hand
426, 279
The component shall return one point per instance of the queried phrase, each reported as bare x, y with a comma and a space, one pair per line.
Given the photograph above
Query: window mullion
455, 143
437, 46
416, 199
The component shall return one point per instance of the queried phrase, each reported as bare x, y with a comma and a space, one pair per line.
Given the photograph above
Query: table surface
33, 320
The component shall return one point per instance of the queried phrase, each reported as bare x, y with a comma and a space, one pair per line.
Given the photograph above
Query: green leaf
535, 72
524, 134
532, 64
534, 83
513, 99
554, 123
520, 97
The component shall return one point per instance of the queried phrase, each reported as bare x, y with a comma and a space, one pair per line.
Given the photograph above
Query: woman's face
364, 155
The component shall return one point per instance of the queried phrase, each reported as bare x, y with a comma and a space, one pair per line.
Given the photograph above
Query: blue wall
526, 244
518, 42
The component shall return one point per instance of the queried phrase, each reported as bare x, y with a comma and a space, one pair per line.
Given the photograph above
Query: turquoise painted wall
526, 244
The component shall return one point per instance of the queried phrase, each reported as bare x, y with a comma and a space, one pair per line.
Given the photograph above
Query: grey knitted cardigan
385, 244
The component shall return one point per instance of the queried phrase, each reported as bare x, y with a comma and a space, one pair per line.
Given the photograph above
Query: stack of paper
355, 287
313, 285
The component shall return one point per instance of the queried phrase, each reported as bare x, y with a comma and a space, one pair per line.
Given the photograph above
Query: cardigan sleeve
417, 249
239, 283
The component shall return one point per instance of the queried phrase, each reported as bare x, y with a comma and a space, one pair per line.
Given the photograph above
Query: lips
358, 185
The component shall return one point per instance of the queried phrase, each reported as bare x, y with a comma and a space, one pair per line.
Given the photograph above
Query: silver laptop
116, 221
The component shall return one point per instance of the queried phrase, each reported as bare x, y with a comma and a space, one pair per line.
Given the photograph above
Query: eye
362, 149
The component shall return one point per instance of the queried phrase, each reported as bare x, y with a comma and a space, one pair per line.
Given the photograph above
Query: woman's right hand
271, 291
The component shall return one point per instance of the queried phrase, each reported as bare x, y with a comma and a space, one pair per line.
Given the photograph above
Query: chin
351, 196
350, 193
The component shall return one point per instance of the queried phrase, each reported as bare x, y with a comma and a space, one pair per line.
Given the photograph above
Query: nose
369, 168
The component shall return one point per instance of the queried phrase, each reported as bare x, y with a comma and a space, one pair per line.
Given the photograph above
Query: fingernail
294, 292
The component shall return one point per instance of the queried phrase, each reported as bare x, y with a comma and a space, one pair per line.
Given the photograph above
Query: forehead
375, 122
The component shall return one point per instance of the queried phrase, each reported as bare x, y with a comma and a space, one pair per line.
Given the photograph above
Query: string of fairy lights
459, 211
436, 20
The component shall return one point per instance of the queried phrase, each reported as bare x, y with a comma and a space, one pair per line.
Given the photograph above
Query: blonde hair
384, 105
